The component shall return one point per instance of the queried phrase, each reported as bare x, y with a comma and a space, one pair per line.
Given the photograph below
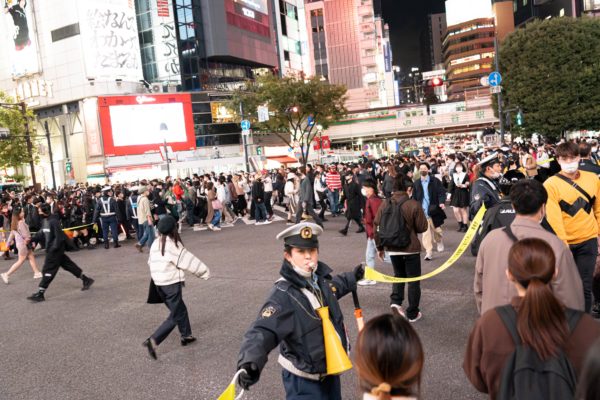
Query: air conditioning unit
156, 88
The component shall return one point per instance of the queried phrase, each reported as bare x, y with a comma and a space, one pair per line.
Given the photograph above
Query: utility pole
244, 140
28, 141
167, 157
50, 154
497, 62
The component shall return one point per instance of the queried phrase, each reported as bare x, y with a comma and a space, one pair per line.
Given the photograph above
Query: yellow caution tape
74, 228
229, 393
374, 275
545, 161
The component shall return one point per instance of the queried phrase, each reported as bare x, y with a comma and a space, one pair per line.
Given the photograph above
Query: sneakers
139, 247
215, 228
596, 310
398, 308
149, 344
37, 297
289, 222
265, 222
440, 247
37, 275
366, 282
343, 231
187, 340
4, 277
428, 257
415, 319
87, 282
211, 227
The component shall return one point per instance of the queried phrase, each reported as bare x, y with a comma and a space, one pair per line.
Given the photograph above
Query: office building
292, 38
436, 30
527, 10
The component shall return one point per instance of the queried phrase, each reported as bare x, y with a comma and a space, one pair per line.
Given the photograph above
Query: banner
18, 39
371, 274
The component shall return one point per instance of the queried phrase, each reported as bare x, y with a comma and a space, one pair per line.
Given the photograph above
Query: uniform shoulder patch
332, 287
268, 311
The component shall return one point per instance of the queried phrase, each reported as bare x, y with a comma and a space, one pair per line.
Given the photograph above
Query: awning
283, 159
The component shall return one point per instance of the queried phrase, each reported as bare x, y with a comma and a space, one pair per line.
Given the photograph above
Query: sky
407, 18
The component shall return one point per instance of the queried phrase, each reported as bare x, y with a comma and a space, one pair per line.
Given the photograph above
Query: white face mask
570, 168
496, 175
302, 272
364, 192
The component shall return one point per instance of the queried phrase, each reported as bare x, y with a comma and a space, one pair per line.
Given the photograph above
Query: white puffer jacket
168, 269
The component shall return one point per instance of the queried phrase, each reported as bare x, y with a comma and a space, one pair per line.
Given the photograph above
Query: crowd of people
536, 277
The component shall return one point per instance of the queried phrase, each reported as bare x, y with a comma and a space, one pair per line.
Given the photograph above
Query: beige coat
492, 287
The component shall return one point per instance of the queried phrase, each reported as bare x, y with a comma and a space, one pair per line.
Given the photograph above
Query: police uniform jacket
499, 216
289, 320
484, 192
111, 207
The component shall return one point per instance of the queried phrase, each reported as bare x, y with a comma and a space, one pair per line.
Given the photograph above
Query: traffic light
259, 151
436, 82
520, 118
68, 167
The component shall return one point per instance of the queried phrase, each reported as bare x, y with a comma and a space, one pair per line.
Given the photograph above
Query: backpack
526, 376
392, 228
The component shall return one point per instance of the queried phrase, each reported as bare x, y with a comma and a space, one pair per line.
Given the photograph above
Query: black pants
172, 296
53, 261
323, 204
407, 266
310, 211
585, 254
114, 228
297, 388
268, 196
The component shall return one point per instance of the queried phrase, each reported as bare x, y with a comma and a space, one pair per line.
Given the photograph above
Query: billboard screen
140, 124
18, 39
256, 5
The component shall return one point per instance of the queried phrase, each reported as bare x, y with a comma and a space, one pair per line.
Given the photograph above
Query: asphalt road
87, 345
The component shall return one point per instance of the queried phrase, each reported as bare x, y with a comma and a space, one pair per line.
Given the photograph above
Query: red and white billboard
141, 124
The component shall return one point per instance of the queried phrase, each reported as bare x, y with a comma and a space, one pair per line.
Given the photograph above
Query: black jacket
51, 235
499, 216
288, 319
437, 196
484, 191
32, 217
589, 166
354, 197
258, 191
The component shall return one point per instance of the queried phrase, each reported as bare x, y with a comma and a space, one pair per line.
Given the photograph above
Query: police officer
106, 207
131, 211
485, 189
53, 238
288, 319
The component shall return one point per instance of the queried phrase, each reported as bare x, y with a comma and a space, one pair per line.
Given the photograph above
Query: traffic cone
335, 356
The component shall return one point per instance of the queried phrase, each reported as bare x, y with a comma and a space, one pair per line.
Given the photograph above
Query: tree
296, 107
551, 70
13, 150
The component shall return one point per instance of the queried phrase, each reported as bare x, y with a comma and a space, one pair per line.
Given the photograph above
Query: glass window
202, 119
200, 107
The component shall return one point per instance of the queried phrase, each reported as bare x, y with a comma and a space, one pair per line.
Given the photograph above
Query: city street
87, 345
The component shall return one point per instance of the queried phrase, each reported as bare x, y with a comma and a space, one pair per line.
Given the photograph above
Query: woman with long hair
389, 359
542, 321
168, 260
459, 191
19, 232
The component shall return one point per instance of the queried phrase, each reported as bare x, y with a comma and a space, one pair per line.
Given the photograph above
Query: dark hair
528, 196
401, 183
389, 351
585, 149
424, 164
541, 320
589, 380
174, 234
567, 150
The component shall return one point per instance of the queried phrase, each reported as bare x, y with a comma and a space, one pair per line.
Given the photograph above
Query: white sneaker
37, 275
211, 227
415, 319
398, 309
4, 277
440, 247
428, 257
216, 228
267, 222
363, 282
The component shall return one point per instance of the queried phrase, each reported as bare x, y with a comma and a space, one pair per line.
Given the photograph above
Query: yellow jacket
581, 226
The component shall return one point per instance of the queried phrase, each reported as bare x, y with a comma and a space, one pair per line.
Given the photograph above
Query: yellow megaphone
335, 356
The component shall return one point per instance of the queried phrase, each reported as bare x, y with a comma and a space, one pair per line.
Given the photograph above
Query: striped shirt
169, 269
333, 180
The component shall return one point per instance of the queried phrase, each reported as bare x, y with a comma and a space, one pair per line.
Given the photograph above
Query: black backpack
392, 228
526, 376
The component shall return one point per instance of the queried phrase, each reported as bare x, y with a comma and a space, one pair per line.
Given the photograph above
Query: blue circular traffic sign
245, 125
495, 79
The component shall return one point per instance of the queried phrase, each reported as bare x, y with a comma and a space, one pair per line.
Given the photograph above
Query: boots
87, 282
344, 231
37, 296
117, 245
361, 229
465, 227
460, 227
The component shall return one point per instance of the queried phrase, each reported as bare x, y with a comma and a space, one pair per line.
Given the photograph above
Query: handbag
3, 247
154, 296
216, 205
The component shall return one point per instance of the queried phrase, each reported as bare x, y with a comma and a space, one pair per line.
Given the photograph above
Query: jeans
407, 266
334, 199
585, 254
216, 221
371, 253
260, 211
148, 235
267, 203
172, 296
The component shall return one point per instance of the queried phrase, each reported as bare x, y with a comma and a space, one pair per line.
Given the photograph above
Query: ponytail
541, 320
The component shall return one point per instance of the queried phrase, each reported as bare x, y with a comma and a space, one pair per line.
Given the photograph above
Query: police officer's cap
489, 160
303, 235
106, 189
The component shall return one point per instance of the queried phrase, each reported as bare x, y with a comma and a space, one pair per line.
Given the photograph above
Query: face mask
569, 168
303, 273
364, 192
496, 175
459, 169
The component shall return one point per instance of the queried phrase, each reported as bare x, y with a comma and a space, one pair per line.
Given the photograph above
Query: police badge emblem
306, 233
268, 312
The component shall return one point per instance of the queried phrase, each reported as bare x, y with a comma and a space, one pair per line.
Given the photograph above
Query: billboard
256, 5
18, 38
459, 11
166, 53
110, 39
141, 124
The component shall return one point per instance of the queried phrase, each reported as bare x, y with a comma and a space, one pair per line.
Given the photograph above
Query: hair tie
382, 388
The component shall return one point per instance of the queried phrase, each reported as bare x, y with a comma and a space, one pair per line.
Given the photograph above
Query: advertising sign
17, 37
110, 39
256, 5
165, 40
141, 124
387, 57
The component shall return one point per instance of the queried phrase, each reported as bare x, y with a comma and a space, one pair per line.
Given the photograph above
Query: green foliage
312, 97
13, 151
551, 69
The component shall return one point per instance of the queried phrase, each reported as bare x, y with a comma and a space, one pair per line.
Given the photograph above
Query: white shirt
168, 269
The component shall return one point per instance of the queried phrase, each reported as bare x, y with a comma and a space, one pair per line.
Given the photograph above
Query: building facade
436, 29
292, 38
527, 10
